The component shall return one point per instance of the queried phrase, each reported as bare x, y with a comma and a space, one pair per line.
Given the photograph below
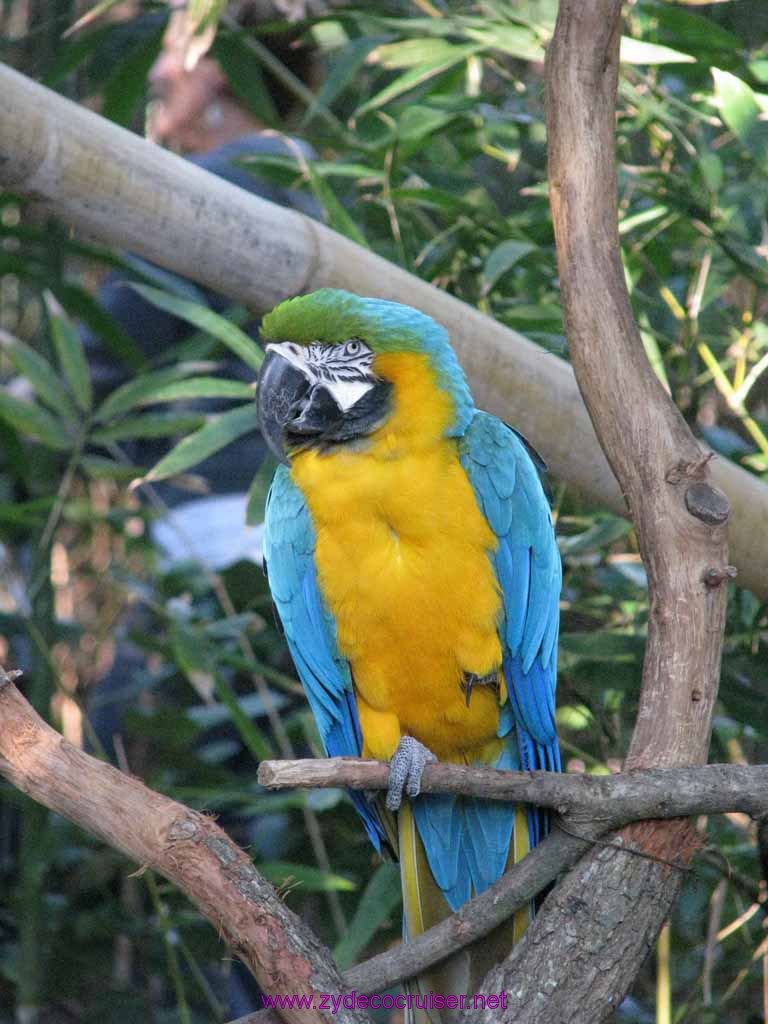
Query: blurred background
141, 616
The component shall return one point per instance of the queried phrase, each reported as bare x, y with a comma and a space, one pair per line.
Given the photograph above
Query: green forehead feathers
331, 316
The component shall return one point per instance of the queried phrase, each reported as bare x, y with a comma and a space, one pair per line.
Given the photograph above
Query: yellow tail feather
424, 906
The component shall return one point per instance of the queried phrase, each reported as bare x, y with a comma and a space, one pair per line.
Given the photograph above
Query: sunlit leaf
741, 112
418, 75
305, 878
200, 387
636, 51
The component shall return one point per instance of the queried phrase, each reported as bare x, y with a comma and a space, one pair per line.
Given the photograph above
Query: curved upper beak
283, 386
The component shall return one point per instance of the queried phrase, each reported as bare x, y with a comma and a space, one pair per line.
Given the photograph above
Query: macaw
411, 557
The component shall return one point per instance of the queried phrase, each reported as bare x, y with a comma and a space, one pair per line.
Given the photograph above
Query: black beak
280, 396
295, 412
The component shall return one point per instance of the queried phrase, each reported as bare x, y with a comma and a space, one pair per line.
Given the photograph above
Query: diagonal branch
110, 185
185, 846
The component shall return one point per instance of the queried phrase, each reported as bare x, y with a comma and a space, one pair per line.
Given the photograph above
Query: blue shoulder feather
310, 630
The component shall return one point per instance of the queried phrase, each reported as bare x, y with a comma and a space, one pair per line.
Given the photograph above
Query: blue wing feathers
289, 545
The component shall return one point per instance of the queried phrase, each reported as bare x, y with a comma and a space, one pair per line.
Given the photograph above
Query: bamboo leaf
338, 218
380, 901
141, 390
40, 374
70, 353
206, 320
258, 491
282, 874
215, 435
151, 424
33, 420
200, 387
636, 51
416, 76
501, 259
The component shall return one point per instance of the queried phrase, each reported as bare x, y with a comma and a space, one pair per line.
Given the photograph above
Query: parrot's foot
471, 680
405, 770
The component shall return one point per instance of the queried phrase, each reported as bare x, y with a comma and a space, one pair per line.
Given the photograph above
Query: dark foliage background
429, 128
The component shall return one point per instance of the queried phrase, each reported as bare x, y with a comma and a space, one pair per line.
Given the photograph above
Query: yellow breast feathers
403, 564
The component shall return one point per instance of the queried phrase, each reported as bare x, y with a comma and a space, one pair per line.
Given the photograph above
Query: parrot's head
340, 367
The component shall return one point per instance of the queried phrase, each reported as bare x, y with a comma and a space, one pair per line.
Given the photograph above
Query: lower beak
280, 398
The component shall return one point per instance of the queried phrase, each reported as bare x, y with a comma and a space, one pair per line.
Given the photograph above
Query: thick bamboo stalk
126, 192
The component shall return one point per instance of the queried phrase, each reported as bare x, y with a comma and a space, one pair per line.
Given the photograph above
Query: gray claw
405, 770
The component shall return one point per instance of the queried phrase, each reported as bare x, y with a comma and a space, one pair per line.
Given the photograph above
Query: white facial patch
344, 370
347, 392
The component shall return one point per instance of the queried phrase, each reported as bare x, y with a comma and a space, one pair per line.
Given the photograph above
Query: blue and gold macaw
412, 559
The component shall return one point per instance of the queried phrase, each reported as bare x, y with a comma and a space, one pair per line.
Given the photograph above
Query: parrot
411, 556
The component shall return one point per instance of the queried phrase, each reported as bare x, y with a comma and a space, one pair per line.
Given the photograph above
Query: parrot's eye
352, 348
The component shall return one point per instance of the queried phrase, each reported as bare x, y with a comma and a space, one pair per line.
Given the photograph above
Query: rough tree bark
129, 193
596, 928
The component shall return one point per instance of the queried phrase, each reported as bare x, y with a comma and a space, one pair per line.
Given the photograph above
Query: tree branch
584, 949
185, 846
111, 185
606, 800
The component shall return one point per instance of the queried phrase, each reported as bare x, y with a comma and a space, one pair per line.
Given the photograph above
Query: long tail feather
424, 906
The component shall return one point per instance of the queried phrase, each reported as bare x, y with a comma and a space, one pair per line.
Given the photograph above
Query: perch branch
185, 846
608, 800
130, 194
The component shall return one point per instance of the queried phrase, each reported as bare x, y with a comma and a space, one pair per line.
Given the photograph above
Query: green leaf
206, 320
126, 87
40, 374
418, 121
151, 424
258, 491
635, 51
253, 738
33, 420
741, 112
282, 874
379, 902
413, 52
200, 387
338, 218
501, 259
141, 390
241, 66
70, 352
343, 72
216, 434
416, 76
605, 531
100, 468
517, 42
